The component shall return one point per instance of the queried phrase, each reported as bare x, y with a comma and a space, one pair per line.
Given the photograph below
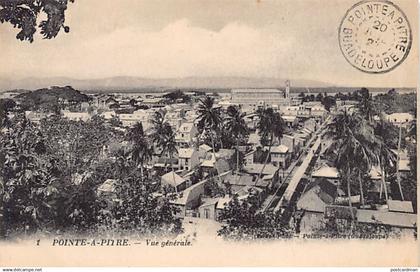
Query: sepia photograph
208, 133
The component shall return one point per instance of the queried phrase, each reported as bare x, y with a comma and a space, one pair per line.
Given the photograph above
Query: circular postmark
375, 36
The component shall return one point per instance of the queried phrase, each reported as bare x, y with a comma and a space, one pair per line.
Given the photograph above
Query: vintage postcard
208, 133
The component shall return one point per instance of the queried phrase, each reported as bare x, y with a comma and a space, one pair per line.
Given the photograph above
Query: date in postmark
375, 36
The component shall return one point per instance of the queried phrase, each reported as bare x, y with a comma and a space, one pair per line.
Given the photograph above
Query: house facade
280, 156
186, 134
188, 158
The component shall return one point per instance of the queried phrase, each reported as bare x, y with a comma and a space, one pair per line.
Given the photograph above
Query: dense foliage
23, 14
243, 221
52, 175
51, 99
177, 96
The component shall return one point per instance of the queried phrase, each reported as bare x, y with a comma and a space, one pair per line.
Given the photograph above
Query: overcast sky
294, 39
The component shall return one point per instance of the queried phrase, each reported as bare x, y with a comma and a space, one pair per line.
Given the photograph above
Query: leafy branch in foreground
23, 14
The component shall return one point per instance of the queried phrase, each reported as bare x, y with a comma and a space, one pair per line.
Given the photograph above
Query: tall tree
366, 106
236, 126
353, 149
270, 127
209, 120
157, 121
386, 134
140, 151
169, 146
163, 137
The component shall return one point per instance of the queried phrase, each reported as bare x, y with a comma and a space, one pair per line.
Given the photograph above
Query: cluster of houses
179, 172
321, 195
324, 198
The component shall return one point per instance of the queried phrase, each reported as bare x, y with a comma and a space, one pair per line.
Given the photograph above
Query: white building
35, 116
280, 156
188, 158
76, 116
251, 99
400, 118
138, 116
186, 134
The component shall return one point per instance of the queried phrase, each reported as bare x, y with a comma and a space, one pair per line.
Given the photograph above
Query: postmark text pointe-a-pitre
375, 36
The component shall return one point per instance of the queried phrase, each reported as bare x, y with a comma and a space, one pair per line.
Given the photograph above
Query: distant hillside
207, 84
138, 83
51, 96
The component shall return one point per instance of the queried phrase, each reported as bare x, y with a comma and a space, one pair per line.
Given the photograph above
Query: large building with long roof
251, 99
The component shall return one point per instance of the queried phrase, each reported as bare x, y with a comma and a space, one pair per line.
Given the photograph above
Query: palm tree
141, 151
157, 134
236, 126
169, 146
354, 146
338, 131
366, 106
270, 126
163, 137
386, 158
209, 120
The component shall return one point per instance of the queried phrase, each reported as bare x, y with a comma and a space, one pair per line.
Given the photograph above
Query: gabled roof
172, 179
317, 196
244, 180
279, 149
209, 161
205, 147
191, 193
185, 152
255, 168
400, 206
246, 190
326, 172
223, 202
